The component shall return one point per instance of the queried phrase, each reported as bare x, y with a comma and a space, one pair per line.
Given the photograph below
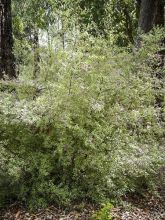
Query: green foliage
92, 16
104, 213
85, 129
121, 22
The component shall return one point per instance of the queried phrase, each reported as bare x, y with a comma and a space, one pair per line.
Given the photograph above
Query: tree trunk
159, 21
36, 53
138, 5
148, 11
128, 25
7, 59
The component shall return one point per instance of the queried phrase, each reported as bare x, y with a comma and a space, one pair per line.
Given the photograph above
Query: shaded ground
132, 209
51, 213
141, 209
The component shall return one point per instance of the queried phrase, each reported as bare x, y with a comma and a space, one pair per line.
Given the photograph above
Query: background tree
122, 21
32, 17
93, 16
7, 60
160, 13
151, 14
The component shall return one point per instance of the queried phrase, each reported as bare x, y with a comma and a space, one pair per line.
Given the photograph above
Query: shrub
86, 130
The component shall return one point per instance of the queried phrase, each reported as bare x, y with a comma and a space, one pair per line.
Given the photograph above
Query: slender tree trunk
36, 53
63, 35
128, 25
159, 21
7, 59
138, 5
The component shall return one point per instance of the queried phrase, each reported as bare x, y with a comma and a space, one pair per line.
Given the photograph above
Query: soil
132, 208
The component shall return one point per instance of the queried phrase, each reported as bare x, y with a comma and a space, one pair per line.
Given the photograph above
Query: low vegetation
89, 128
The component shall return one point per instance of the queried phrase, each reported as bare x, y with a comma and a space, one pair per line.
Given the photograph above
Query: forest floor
134, 208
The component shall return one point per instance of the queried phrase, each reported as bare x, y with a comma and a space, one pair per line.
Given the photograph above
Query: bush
87, 129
